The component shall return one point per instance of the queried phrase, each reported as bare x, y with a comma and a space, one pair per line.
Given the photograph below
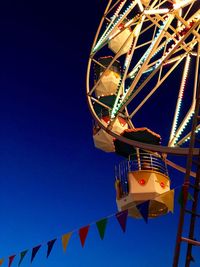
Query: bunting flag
22, 255
143, 208
101, 226
50, 245
11, 258
34, 252
65, 240
122, 218
168, 199
83, 232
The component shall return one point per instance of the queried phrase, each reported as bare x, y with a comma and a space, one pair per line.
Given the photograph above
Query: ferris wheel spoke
188, 11
113, 26
183, 124
113, 34
197, 69
142, 45
166, 57
116, 14
179, 100
182, 4
147, 55
186, 47
173, 37
148, 27
157, 86
161, 69
175, 135
113, 6
125, 71
131, 93
153, 5
100, 103
174, 59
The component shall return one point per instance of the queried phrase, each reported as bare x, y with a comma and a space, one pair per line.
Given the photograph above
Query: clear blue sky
52, 179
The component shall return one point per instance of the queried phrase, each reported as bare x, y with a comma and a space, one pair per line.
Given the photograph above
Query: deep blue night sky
53, 180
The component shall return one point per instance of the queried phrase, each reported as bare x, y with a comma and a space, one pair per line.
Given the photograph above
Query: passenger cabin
107, 80
142, 177
122, 41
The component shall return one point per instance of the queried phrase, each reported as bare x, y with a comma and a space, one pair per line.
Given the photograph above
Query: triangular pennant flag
65, 240
11, 258
50, 246
122, 218
168, 199
144, 210
34, 252
22, 255
1, 261
83, 232
101, 226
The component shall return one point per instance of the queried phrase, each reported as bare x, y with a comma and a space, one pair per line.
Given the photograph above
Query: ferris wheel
139, 45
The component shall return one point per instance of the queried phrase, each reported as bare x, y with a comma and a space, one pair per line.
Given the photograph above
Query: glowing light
140, 5
179, 101
108, 32
156, 11
162, 185
182, 3
187, 137
142, 182
137, 69
182, 128
144, 57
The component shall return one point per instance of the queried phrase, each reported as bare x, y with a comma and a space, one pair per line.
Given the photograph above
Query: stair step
190, 241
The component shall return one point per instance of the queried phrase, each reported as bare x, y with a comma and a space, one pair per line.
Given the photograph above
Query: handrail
141, 161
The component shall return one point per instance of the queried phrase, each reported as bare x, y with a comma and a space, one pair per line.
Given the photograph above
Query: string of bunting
101, 225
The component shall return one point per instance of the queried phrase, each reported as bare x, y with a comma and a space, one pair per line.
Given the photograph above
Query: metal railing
139, 162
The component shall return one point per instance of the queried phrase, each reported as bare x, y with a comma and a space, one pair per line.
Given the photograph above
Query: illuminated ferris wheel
138, 45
